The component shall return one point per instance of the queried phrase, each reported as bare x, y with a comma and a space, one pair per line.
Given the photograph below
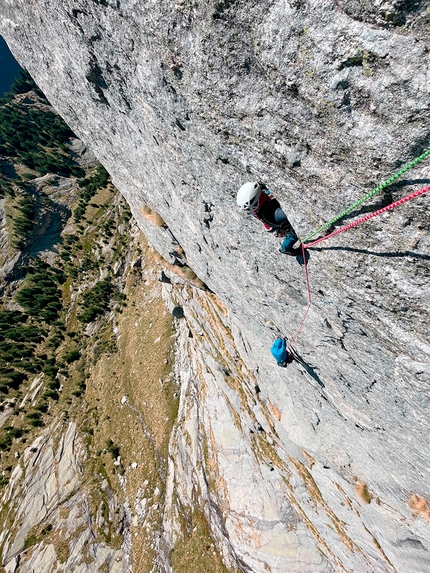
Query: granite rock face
50, 521
183, 102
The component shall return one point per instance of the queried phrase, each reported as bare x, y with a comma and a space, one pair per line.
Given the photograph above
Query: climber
279, 352
255, 198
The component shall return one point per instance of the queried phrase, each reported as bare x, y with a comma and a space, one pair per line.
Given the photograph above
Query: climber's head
247, 196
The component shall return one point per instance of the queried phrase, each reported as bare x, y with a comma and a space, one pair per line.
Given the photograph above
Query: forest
34, 134
42, 332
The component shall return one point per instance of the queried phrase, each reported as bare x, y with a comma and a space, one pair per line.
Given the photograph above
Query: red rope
369, 216
354, 224
309, 299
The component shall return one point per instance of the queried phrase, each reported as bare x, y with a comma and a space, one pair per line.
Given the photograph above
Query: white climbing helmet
248, 194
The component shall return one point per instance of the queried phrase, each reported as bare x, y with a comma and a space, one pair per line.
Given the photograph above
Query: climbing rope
369, 195
369, 216
309, 300
341, 230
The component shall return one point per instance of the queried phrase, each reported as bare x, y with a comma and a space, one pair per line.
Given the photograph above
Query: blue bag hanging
279, 351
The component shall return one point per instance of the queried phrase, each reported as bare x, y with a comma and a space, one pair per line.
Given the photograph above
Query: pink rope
350, 226
369, 216
309, 299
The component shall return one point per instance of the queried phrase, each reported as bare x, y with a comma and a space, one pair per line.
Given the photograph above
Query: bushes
5, 442
72, 356
88, 264
17, 343
80, 390
53, 394
90, 186
27, 132
42, 407
96, 301
35, 419
24, 334
50, 368
22, 224
113, 449
10, 434
40, 296
22, 85
15, 379
19, 337
12, 380
8, 317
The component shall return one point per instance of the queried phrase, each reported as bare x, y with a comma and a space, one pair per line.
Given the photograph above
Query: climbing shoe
291, 252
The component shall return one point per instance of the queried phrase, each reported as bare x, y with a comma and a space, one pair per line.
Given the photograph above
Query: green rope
370, 194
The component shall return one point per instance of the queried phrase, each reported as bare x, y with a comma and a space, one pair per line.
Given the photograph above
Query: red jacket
265, 212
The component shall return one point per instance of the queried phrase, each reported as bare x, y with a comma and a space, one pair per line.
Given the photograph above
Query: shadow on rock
376, 253
309, 369
384, 200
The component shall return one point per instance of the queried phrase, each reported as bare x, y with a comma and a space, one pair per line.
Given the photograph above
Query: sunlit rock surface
319, 468
46, 497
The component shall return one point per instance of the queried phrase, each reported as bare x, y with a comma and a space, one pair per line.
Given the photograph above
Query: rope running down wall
341, 230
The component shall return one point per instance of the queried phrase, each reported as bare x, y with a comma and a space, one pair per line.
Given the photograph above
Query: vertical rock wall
182, 102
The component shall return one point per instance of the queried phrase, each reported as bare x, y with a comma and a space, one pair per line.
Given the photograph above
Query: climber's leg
287, 245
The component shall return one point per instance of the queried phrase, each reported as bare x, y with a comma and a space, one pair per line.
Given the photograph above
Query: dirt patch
152, 216
362, 492
420, 506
